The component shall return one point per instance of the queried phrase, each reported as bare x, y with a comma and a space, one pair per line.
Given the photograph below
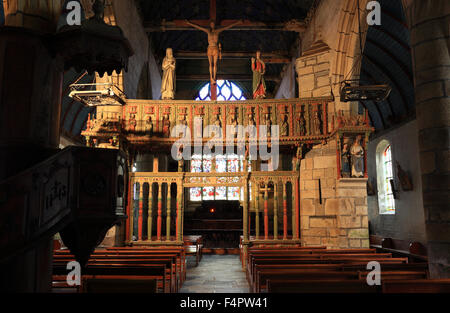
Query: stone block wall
313, 70
333, 212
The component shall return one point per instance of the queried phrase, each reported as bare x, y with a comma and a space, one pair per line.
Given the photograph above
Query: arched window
385, 177
226, 91
229, 163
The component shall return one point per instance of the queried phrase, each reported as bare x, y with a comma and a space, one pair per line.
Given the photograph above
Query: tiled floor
215, 274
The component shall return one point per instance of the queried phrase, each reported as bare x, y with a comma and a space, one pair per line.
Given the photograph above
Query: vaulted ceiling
387, 59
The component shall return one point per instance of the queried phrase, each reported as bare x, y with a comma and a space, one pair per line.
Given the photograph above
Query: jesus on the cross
213, 52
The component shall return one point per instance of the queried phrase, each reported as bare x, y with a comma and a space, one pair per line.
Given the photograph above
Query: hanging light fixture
354, 90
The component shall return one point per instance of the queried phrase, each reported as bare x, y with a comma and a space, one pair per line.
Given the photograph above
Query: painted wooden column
245, 216
141, 207
293, 210
285, 219
257, 212
179, 215
129, 206
168, 212
275, 210
158, 221
266, 212
150, 211
297, 208
131, 215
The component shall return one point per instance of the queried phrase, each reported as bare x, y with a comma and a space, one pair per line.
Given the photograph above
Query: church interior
227, 146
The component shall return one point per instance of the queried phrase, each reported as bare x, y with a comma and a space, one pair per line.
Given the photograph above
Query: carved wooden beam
177, 25
241, 77
268, 57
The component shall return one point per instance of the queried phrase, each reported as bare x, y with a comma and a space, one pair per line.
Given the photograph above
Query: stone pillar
430, 44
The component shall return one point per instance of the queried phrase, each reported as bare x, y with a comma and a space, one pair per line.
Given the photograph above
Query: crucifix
214, 47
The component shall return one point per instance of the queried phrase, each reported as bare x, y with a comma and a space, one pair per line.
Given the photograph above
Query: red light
212, 210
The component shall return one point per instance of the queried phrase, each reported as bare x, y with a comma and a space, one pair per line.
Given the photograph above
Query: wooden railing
154, 202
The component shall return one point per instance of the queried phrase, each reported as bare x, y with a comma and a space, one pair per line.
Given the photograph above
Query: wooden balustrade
267, 187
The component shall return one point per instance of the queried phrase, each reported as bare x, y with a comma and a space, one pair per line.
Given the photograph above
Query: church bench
415, 251
168, 262
104, 284
349, 261
193, 245
407, 269
119, 270
286, 274
147, 255
323, 286
417, 286
154, 249
254, 258
361, 286
143, 251
313, 254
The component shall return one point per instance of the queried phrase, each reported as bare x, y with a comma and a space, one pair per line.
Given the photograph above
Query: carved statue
268, 124
357, 158
214, 49
168, 80
252, 126
133, 122
345, 160
259, 84
317, 124
166, 126
285, 126
184, 126
149, 123
218, 126
234, 126
302, 124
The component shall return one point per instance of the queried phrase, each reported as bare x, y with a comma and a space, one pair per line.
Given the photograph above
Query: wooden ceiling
263, 29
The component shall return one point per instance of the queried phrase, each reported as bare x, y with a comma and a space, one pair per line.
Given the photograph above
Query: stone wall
332, 213
408, 221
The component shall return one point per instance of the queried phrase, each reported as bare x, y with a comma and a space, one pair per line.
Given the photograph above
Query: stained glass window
385, 176
226, 91
231, 163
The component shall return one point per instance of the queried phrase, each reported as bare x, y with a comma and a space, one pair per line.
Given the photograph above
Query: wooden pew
168, 262
193, 245
417, 270
323, 286
178, 252
360, 286
106, 284
417, 286
121, 271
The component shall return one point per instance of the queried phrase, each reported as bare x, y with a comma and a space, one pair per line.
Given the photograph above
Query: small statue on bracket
345, 160
357, 158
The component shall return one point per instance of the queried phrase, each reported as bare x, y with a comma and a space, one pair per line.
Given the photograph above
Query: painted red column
285, 219
141, 207
266, 212
158, 221
297, 209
